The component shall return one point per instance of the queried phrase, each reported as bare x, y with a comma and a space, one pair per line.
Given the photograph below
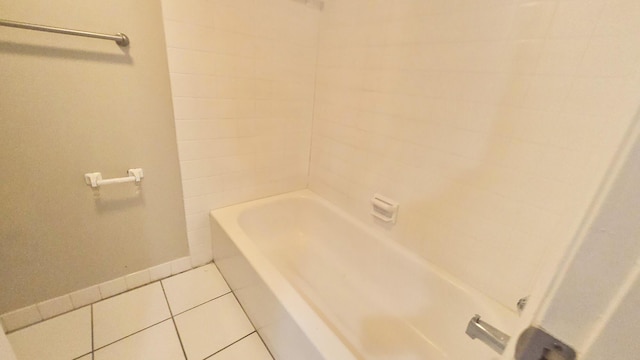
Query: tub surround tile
194, 288
250, 347
137, 279
200, 245
123, 315
86, 296
234, 81
180, 265
209, 328
510, 102
159, 342
113, 287
160, 272
61, 338
21, 318
56, 306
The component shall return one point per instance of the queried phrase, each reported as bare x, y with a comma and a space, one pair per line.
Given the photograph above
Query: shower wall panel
492, 123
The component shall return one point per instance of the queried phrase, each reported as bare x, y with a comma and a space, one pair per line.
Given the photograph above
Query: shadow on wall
114, 200
64, 53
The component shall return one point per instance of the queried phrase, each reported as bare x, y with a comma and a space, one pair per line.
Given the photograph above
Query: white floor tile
194, 287
159, 342
64, 337
250, 347
208, 328
127, 313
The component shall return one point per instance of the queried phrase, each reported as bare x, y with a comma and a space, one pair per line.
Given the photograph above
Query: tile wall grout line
265, 345
173, 320
243, 310
314, 103
233, 343
134, 333
253, 325
204, 303
81, 356
44, 320
92, 340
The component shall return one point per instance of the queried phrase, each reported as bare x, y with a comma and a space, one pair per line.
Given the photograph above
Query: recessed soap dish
384, 208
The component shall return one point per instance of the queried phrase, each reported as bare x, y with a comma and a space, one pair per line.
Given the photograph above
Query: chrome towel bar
120, 38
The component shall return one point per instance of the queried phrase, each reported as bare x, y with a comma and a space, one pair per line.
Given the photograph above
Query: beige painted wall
69, 106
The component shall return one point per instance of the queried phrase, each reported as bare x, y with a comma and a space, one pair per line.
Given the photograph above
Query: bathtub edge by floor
267, 298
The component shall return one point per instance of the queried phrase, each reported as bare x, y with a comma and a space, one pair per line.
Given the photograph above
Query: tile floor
191, 316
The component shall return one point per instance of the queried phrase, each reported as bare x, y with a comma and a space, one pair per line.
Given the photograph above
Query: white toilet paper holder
95, 179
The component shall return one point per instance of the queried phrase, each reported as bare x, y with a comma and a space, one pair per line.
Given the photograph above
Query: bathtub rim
317, 331
228, 218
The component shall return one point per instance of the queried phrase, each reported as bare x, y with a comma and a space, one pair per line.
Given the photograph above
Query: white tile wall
20, 318
56, 306
242, 77
490, 122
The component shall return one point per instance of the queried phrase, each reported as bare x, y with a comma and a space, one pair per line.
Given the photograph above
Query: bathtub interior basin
342, 286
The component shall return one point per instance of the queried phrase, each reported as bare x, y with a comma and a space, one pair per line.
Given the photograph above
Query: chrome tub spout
494, 338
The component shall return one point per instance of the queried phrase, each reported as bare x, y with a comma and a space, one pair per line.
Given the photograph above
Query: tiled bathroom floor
191, 316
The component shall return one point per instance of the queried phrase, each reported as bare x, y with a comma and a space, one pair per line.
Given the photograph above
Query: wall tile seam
212, 119
254, 41
209, 74
235, 54
257, 99
562, 110
258, 167
531, 174
206, 51
256, 35
421, 44
207, 156
190, 24
8, 329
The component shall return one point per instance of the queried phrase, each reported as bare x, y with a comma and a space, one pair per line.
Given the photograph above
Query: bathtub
317, 284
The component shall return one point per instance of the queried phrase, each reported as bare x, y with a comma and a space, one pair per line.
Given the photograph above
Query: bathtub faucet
494, 338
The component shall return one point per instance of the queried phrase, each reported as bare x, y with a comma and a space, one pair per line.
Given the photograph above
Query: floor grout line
245, 312
252, 324
204, 303
92, 340
93, 350
130, 335
233, 343
173, 320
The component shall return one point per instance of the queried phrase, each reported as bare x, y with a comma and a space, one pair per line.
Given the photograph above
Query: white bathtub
319, 285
